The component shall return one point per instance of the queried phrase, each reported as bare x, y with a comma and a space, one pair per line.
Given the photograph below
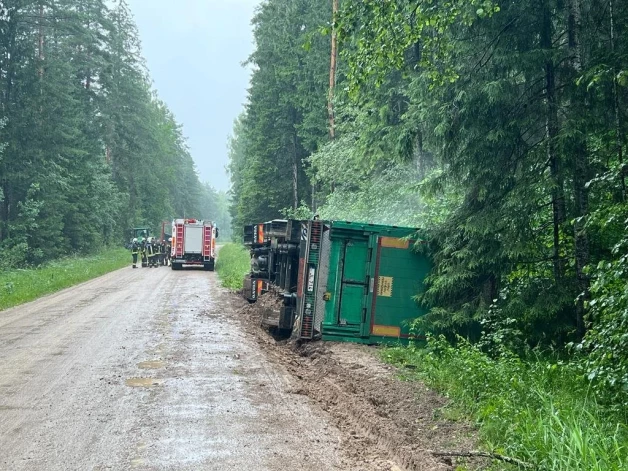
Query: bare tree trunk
41, 42
619, 140
295, 172
581, 174
551, 128
332, 71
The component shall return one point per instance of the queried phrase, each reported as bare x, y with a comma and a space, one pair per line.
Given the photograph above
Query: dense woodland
497, 127
88, 148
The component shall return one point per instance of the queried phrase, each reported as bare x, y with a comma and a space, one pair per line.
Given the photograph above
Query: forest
88, 150
497, 127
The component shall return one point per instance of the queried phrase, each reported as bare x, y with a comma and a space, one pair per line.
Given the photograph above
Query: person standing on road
135, 248
150, 252
143, 253
168, 251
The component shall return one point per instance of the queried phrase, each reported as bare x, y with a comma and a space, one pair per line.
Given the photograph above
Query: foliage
286, 116
18, 286
214, 206
606, 343
539, 411
89, 149
498, 128
232, 264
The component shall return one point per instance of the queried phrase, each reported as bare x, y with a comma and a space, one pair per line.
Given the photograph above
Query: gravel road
150, 369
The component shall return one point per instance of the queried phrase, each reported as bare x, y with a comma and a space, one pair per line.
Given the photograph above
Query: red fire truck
193, 243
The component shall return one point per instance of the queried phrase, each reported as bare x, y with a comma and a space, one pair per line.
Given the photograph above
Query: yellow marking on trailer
394, 243
387, 330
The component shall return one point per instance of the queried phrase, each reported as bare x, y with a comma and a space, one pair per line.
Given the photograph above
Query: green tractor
140, 233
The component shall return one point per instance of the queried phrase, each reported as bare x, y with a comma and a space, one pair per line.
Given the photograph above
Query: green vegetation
20, 286
500, 129
232, 264
87, 148
541, 412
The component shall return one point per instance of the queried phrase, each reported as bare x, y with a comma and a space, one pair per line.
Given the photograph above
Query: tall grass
232, 264
539, 411
20, 286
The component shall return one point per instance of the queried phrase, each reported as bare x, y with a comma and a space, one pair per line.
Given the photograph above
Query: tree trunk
332, 71
619, 138
295, 171
551, 129
581, 169
41, 42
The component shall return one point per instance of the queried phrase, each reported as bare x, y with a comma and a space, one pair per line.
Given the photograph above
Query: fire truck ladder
207, 243
179, 235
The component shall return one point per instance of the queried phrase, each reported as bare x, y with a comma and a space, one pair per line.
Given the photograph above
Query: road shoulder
386, 422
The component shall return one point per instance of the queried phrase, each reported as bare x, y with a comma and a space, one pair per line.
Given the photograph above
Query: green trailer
358, 282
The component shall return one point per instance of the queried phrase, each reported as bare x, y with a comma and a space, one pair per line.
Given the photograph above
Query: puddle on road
151, 365
143, 382
137, 462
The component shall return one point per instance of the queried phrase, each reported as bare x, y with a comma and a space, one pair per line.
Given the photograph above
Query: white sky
194, 50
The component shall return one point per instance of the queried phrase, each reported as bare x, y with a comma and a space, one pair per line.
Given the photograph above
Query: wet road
149, 369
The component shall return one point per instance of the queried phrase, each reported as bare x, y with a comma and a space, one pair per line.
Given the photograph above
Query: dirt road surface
150, 369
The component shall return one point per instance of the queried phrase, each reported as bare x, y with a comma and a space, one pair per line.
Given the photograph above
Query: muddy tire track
387, 423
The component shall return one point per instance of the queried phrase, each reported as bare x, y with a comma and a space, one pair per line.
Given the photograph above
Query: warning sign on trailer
385, 286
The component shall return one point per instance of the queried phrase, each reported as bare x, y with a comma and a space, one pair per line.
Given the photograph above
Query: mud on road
154, 369
383, 419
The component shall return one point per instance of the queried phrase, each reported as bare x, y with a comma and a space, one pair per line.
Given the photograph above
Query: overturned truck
336, 280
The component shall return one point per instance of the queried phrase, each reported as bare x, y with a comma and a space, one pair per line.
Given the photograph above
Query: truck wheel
209, 266
176, 266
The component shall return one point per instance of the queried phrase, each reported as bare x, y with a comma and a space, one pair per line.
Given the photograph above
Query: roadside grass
539, 411
232, 264
18, 286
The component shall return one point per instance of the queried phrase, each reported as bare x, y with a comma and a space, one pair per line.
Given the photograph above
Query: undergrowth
232, 264
540, 411
18, 286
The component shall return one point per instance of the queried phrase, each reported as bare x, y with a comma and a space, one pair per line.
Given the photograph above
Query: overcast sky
194, 50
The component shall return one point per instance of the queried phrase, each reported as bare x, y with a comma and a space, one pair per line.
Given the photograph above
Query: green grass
538, 411
232, 264
21, 286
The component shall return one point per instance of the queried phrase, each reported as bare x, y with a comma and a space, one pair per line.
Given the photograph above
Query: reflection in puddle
143, 382
151, 365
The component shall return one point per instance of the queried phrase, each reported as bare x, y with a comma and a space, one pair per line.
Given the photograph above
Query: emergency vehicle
193, 243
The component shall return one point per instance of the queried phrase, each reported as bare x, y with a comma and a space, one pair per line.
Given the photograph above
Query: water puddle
151, 365
137, 462
143, 382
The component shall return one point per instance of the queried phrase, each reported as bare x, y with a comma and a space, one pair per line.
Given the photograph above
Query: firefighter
168, 251
143, 253
162, 253
135, 248
150, 252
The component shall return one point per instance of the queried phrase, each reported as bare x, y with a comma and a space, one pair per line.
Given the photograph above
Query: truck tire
209, 266
176, 266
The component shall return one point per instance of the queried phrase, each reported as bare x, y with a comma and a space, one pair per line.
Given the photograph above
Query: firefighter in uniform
168, 251
135, 248
160, 254
150, 252
144, 253
163, 253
